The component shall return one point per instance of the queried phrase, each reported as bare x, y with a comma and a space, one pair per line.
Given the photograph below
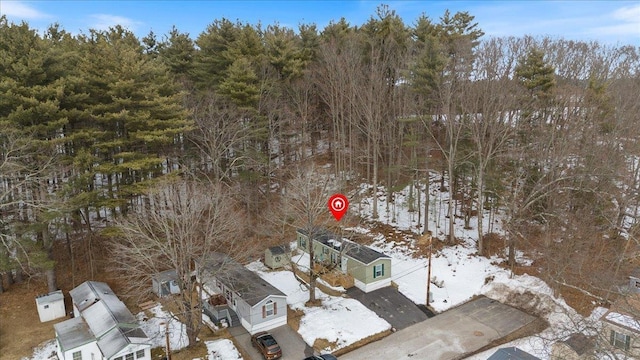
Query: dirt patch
293, 318
322, 344
20, 328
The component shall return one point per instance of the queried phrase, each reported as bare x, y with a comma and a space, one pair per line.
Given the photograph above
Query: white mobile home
258, 304
103, 328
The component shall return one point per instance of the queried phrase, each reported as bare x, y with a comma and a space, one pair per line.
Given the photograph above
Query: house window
128, 357
636, 283
77, 355
334, 258
269, 309
46, 306
619, 340
378, 271
118, 358
303, 242
139, 354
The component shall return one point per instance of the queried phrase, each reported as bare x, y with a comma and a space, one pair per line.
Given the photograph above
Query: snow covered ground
157, 326
222, 349
341, 321
457, 274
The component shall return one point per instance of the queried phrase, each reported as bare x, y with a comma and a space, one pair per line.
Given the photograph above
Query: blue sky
610, 22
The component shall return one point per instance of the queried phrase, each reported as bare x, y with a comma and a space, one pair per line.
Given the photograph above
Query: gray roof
103, 317
117, 339
50, 297
164, 276
249, 285
106, 314
280, 249
358, 252
635, 273
580, 343
87, 293
73, 333
511, 353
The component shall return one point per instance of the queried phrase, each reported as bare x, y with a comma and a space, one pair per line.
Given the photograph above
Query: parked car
267, 345
321, 357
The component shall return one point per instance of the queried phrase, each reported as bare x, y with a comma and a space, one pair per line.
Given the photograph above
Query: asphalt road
449, 335
391, 305
292, 345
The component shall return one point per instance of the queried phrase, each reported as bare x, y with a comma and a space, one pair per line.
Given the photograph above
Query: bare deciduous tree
184, 223
306, 196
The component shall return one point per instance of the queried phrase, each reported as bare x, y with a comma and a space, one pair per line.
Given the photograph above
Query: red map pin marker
338, 205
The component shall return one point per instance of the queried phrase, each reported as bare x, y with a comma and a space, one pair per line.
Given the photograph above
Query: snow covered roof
512, 353
251, 287
623, 320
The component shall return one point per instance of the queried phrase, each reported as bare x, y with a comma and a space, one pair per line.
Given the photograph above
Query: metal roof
358, 252
73, 333
251, 287
50, 297
87, 293
117, 339
512, 353
106, 314
279, 249
103, 317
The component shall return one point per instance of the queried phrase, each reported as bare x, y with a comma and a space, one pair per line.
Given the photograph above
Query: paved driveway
390, 305
293, 347
448, 336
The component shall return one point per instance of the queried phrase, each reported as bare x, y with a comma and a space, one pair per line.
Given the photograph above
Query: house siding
634, 348
133, 348
251, 317
87, 350
258, 323
362, 273
272, 261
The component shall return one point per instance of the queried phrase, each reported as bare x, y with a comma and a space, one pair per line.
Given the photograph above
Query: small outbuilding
276, 257
165, 283
51, 306
576, 347
512, 353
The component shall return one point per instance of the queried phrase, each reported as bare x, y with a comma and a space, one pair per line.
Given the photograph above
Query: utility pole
166, 335
427, 238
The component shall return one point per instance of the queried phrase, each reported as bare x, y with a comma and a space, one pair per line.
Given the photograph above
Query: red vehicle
267, 345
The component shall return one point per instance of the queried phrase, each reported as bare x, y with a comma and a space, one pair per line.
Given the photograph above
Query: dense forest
541, 130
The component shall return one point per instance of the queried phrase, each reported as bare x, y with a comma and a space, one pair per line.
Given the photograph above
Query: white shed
51, 306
